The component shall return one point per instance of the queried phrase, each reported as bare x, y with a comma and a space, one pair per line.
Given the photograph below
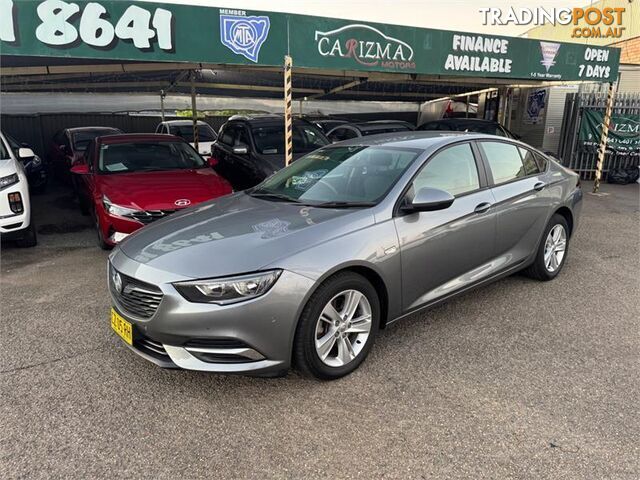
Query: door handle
483, 207
539, 186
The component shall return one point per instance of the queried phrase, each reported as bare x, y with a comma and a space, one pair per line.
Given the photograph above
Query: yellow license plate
122, 327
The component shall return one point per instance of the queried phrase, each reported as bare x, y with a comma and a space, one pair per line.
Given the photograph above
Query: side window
529, 161
452, 170
340, 134
90, 154
226, 135
504, 160
542, 162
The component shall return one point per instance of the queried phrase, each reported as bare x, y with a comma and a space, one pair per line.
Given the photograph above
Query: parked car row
126, 181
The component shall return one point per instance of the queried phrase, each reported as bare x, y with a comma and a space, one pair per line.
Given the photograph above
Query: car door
446, 250
237, 168
522, 201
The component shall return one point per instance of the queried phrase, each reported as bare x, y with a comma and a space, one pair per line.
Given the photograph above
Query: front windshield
4, 152
356, 175
82, 139
148, 156
205, 132
269, 139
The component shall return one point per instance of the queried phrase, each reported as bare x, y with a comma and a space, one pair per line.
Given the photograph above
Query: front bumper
255, 336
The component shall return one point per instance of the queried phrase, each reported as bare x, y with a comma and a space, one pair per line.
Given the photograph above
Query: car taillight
15, 202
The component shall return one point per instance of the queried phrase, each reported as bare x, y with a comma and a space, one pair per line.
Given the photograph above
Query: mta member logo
244, 35
366, 46
549, 52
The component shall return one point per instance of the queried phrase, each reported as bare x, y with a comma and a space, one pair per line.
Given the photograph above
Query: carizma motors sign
367, 46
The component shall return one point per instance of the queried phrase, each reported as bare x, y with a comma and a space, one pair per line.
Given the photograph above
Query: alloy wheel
555, 247
343, 328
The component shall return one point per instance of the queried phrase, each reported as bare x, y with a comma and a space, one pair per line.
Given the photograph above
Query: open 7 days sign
167, 32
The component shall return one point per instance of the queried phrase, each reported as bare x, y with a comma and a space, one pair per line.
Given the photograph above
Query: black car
363, 129
477, 125
249, 148
34, 168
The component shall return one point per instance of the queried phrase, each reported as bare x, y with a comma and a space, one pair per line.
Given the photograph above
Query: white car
184, 129
15, 207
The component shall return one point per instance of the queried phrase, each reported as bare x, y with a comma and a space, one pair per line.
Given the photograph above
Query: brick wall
630, 50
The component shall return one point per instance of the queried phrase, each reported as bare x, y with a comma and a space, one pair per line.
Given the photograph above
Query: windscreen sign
166, 32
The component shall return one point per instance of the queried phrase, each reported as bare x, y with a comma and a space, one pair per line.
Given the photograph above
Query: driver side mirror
428, 200
25, 152
241, 149
80, 169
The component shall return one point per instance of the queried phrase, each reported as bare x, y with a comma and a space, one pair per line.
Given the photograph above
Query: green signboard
141, 31
624, 132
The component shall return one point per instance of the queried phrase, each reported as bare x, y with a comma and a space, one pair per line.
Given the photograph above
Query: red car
68, 145
130, 180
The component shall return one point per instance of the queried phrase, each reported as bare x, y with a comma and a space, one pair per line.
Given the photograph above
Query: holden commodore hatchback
306, 267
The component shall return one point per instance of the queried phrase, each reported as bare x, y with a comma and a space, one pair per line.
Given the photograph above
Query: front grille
149, 216
135, 297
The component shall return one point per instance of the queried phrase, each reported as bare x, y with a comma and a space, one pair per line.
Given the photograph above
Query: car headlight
114, 209
224, 291
9, 180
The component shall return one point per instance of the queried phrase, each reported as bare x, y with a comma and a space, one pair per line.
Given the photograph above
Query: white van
184, 129
15, 207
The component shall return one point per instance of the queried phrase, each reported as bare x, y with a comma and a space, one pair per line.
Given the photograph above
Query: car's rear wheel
337, 327
552, 252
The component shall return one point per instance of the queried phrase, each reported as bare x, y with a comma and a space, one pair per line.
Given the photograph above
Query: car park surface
520, 379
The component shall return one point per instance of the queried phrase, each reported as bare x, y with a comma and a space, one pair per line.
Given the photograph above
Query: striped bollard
288, 125
604, 136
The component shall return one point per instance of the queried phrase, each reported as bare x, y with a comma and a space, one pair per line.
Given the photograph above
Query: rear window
205, 133
82, 139
269, 139
529, 161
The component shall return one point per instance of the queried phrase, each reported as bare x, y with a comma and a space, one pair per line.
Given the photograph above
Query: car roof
377, 125
139, 137
265, 119
421, 140
183, 122
88, 129
464, 120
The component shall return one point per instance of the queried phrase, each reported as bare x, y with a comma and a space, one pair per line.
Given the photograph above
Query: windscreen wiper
275, 196
343, 204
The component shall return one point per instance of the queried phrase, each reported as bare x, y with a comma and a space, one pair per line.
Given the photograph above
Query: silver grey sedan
305, 268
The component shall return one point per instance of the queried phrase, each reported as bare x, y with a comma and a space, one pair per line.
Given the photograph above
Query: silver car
306, 267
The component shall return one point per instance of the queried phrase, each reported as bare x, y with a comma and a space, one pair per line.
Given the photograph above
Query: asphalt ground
519, 379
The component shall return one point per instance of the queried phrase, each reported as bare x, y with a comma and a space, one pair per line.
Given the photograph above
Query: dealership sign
366, 46
164, 32
624, 132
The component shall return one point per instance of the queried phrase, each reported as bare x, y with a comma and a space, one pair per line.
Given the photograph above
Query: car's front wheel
552, 251
337, 327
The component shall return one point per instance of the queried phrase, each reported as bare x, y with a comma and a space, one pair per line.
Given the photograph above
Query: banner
624, 132
166, 32
536, 102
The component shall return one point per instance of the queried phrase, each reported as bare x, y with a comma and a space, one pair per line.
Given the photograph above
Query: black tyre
337, 327
99, 237
29, 237
552, 251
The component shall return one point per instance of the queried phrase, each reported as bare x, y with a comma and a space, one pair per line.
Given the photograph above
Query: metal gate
583, 159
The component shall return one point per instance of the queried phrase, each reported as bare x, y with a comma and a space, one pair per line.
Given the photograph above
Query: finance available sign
167, 32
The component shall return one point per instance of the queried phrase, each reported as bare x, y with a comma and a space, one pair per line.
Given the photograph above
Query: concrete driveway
517, 380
